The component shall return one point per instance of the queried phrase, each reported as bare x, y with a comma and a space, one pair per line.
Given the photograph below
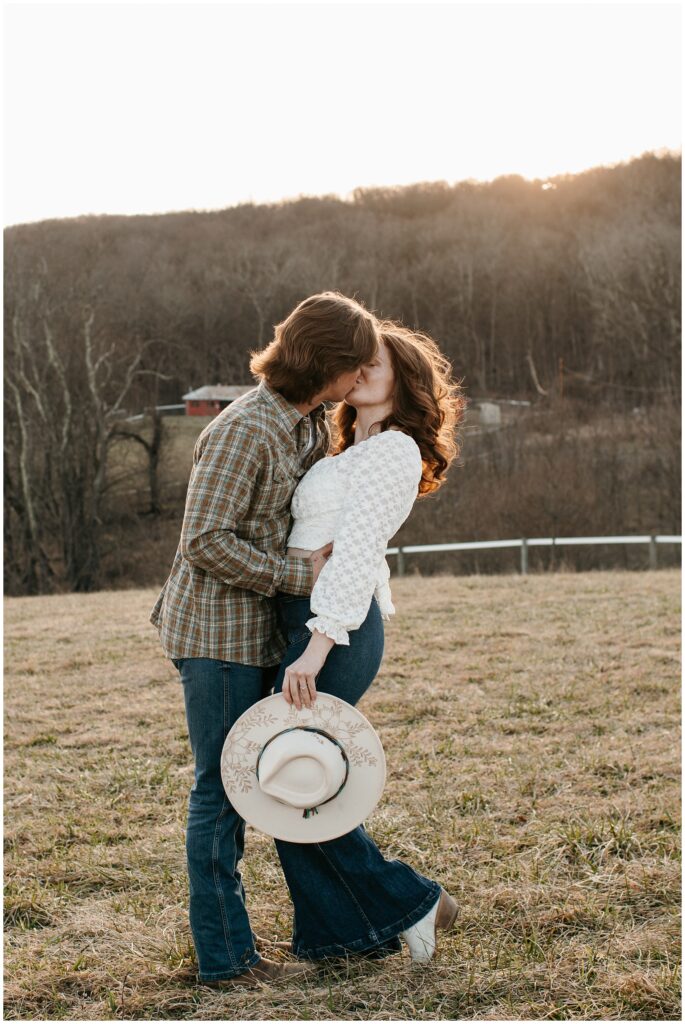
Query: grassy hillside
531, 727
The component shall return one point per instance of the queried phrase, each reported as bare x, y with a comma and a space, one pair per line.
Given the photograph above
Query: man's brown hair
324, 336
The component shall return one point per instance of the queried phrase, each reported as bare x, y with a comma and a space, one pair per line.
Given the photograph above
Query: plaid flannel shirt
218, 601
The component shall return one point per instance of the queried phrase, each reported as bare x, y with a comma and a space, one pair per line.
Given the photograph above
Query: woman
395, 442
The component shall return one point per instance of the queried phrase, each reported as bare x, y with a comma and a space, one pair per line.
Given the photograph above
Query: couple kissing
280, 584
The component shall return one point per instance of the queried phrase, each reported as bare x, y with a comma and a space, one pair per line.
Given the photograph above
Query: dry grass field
531, 727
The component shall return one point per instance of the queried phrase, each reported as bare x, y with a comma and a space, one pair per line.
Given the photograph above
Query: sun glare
261, 103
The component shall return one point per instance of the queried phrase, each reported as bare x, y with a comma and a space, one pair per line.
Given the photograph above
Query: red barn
212, 398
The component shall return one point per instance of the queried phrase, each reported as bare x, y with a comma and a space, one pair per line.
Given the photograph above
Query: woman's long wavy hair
428, 404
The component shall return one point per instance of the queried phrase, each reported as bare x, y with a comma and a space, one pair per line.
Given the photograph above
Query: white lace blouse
358, 499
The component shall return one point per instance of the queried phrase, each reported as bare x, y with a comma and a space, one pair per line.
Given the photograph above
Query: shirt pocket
273, 498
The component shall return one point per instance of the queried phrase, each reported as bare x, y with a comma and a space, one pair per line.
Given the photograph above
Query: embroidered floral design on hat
240, 753
329, 717
239, 756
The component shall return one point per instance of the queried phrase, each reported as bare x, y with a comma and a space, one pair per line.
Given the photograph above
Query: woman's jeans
347, 898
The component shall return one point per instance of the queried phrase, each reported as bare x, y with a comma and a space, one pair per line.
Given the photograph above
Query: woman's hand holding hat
299, 681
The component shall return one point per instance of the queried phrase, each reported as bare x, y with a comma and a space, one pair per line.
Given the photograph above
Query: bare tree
67, 381
152, 446
632, 278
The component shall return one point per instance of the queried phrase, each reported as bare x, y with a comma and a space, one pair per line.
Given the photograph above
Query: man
216, 614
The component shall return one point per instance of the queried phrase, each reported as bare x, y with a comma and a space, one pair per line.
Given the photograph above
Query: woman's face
375, 381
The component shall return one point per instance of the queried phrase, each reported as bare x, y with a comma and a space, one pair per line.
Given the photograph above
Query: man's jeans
216, 694
347, 898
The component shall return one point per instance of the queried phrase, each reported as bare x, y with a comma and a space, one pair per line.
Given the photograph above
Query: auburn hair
427, 403
324, 336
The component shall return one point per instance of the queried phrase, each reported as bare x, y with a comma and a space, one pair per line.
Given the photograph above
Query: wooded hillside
559, 290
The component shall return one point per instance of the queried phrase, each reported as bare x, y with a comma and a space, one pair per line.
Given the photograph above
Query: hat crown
301, 768
247, 766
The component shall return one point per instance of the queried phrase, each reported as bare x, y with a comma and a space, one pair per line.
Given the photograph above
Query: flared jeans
347, 898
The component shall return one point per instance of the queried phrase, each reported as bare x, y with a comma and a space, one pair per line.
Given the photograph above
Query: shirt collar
287, 413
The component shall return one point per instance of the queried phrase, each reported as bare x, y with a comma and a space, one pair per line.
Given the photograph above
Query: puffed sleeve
381, 484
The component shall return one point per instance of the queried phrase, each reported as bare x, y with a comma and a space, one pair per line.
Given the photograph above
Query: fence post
400, 561
524, 556
652, 552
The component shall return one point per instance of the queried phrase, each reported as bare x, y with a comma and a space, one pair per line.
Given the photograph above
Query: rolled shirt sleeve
228, 468
381, 488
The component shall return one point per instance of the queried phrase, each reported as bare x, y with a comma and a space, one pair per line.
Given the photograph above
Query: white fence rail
535, 542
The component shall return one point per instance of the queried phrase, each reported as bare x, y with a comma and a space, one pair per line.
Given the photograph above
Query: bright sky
148, 108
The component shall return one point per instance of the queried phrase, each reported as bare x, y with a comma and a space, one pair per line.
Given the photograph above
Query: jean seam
215, 852
351, 894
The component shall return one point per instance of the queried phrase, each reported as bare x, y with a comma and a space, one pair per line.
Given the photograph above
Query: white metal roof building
217, 392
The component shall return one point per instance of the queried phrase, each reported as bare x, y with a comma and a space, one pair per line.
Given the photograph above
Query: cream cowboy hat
305, 776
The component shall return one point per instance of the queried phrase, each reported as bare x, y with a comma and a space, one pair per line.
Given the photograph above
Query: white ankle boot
421, 937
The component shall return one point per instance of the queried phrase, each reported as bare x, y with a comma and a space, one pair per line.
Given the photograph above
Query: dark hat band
310, 728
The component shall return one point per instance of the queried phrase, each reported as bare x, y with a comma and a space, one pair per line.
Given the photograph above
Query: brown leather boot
447, 911
265, 972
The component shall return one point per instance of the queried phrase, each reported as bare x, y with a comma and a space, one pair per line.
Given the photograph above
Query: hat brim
342, 814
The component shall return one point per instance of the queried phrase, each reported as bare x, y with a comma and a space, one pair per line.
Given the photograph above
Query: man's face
339, 387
